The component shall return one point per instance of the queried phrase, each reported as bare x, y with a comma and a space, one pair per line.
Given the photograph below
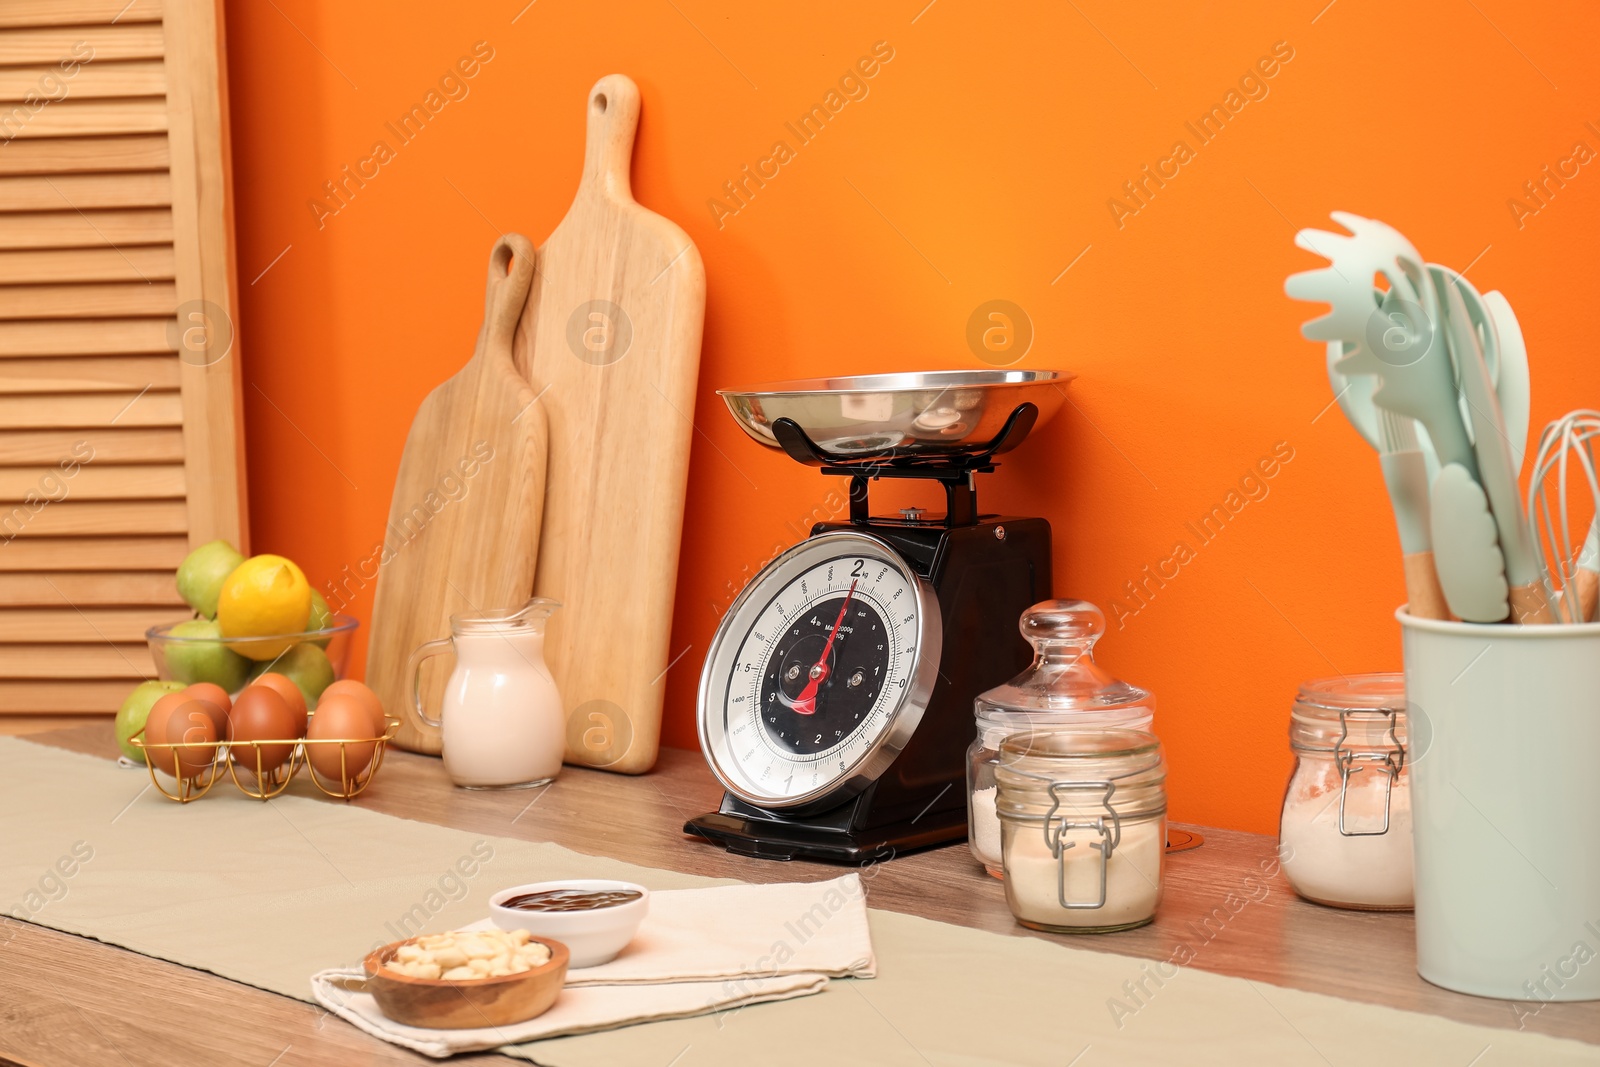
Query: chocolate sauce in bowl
572, 899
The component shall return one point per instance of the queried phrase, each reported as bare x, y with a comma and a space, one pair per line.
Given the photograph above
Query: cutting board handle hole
600, 101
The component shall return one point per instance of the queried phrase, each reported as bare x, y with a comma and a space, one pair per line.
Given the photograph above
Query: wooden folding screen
120, 427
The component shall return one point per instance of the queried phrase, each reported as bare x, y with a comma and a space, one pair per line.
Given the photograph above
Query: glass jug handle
413, 703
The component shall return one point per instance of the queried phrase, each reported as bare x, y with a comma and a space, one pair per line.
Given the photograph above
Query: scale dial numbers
818, 672
825, 672
816, 669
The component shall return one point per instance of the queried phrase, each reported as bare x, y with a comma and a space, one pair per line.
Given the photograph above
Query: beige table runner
268, 894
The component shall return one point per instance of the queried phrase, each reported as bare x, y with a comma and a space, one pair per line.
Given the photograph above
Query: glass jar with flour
1345, 835
1063, 687
1083, 828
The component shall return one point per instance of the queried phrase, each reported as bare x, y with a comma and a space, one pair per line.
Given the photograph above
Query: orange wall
978, 166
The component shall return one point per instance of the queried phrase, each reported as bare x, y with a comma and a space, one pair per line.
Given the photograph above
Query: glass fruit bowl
191, 651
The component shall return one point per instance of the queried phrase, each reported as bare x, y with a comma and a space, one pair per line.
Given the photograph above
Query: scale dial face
819, 672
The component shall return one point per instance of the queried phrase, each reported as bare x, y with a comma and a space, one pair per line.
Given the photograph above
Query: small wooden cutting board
464, 524
613, 350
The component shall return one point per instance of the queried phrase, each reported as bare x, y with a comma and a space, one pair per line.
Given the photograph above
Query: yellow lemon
264, 596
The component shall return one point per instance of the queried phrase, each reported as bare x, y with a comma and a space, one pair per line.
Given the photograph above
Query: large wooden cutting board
464, 523
613, 350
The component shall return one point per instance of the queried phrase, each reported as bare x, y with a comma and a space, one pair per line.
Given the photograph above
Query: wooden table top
72, 1001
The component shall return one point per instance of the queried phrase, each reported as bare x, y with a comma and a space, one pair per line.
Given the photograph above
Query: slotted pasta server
1370, 250
1397, 341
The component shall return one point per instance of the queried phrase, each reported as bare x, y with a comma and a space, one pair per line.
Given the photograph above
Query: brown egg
155, 729
260, 714
215, 714
292, 697
187, 722
205, 693
197, 719
368, 699
212, 692
340, 716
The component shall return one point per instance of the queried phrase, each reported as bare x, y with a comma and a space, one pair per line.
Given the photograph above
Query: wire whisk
1566, 454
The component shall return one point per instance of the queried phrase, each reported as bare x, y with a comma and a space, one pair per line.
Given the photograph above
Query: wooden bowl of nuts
467, 979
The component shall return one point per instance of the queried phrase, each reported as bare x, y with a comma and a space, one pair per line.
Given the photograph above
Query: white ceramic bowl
593, 937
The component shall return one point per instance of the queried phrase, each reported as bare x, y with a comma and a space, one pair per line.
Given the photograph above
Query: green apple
306, 665
136, 709
206, 660
321, 618
202, 572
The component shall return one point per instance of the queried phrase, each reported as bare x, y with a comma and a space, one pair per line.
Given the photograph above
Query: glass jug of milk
501, 720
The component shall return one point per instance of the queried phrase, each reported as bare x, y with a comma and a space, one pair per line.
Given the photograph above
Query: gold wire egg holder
267, 783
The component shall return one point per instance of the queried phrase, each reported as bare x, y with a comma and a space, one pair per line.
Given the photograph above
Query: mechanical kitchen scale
835, 706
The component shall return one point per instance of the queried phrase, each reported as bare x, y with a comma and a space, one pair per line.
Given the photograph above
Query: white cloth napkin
741, 930
698, 951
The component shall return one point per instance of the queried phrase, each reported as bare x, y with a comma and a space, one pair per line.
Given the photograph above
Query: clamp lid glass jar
1345, 835
1063, 687
1083, 828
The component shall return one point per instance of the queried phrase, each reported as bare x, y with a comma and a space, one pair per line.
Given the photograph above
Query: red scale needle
806, 702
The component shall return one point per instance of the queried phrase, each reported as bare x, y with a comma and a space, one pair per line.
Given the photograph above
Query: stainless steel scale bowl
930, 412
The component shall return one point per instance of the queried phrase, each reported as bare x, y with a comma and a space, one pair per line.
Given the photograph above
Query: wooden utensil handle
1529, 604
608, 151
1424, 595
1588, 593
511, 264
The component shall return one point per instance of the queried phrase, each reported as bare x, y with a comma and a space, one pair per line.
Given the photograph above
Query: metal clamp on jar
1083, 817
1063, 687
1345, 835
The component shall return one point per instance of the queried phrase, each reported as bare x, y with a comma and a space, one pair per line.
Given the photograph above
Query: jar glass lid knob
1064, 675
1063, 629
